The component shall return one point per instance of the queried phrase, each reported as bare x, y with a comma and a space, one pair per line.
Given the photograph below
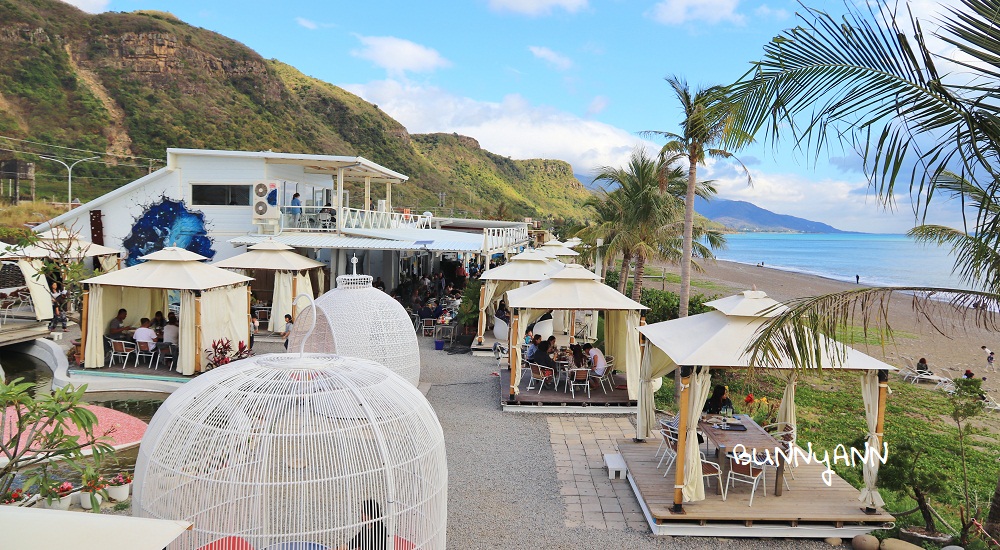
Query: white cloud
512, 127
537, 7
678, 12
90, 6
557, 60
398, 56
597, 105
767, 12
311, 25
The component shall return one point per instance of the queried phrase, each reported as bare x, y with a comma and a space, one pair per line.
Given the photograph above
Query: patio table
755, 437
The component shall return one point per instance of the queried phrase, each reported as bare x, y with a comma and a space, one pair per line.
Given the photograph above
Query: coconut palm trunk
623, 276
686, 256
640, 268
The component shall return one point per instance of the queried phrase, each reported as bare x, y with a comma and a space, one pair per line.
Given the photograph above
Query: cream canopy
24, 527
557, 248
576, 288
720, 339
289, 281
534, 254
522, 268
58, 243
214, 304
572, 242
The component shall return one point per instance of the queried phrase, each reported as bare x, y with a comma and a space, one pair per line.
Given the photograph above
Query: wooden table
755, 437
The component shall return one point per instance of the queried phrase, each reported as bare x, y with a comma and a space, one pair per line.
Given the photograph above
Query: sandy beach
950, 353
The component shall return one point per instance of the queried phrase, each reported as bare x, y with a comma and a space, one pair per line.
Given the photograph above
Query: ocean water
880, 260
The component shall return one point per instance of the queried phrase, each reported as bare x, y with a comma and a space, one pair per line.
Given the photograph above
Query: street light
69, 168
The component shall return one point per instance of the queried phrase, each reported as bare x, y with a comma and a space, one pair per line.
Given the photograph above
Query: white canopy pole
870, 393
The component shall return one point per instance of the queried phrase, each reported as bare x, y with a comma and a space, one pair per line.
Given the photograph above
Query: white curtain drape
786, 410
321, 279
487, 290
694, 485
281, 301
303, 285
187, 328
93, 355
41, 298
621, 334
524, 318
655, 364
108, 263
224, 315
869, 392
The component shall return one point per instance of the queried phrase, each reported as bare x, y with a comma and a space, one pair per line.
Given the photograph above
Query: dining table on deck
753, 437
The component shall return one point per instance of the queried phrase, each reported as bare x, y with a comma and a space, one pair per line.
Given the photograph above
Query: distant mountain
588, 182
744, 216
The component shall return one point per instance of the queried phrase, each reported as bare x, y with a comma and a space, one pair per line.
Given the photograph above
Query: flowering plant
17, 495
93, 482
748, 399
53, 489
123, 478
222, 353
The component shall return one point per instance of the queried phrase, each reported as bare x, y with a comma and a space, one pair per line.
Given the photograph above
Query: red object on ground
121, 428
228, 543
403, 544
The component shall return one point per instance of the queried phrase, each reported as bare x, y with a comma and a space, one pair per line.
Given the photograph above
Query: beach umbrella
526, 267
32, 528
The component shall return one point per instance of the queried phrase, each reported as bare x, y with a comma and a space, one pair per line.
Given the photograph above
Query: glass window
225, 195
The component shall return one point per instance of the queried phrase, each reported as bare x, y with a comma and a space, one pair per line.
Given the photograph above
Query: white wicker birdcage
358, 320
287, 450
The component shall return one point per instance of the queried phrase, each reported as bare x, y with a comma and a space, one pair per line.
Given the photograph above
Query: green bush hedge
663, 305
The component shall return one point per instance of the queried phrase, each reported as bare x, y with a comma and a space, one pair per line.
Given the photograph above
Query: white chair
745, 472
605, 379
120, 349
500, 329
427, 325
541, 375
990, 404
544, 328
149, 351
669, 445
325, 220
578, 378
784, 433
709, 470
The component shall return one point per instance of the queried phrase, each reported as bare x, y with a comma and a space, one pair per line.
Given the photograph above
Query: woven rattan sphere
288, 450
360, 321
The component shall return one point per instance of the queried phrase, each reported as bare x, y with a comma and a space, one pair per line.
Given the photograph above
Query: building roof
171, 268
351, 242
355, 168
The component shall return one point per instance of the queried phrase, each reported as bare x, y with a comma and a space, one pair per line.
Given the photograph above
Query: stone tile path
591, 499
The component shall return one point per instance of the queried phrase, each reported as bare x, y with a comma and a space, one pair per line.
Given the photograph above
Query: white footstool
616, 466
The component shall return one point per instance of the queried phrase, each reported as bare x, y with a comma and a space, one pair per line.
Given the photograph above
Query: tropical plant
705, 126
222, 352
15, 496
94, 484
869, 80
46, 428
123, 478
468, 310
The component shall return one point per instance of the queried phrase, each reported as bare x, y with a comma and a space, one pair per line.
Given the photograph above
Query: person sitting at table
502, 313
171, 334
600, 364
552, 345
543, 358
117, 329
533, 346
158, 321
426, 312
144, 333
718, 400
527, 337
439, 310
579, 358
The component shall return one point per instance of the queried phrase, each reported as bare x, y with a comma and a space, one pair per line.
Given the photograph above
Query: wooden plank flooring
807, 500
614, 397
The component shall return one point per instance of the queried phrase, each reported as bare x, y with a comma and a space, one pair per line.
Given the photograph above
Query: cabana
719, 339
576, 288
526, 267
214, 304
291, 276
56, 245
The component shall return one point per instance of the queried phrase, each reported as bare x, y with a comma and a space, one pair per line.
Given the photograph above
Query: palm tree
705, 125
870, 82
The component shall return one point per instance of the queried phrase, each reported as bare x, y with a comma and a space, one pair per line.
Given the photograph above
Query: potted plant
93, 490
222, 353
119, 486
56, 495
14, 497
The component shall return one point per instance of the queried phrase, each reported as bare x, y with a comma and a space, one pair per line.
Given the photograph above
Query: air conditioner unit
265, 202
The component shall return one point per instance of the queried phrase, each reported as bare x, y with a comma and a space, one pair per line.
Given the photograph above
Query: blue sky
569, 79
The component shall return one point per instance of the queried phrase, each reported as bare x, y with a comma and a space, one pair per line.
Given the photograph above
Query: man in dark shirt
117, 328
372, 534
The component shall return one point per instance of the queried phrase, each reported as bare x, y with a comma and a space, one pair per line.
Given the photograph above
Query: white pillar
388, 196
340, 196
368, 192
599, 260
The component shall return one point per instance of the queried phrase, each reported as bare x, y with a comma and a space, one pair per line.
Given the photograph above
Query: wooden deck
807, 509
616, 401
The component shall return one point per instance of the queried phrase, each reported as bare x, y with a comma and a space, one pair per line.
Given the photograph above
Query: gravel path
503, 489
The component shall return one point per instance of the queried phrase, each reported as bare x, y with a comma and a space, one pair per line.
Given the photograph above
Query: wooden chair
709, 470
606, 378
121, 349
578, 378
745, 472
540, 374
427, 327
149, 351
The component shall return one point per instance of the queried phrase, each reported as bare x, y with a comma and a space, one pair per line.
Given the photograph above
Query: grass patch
830, 412
653, 273
16, 216
854, 335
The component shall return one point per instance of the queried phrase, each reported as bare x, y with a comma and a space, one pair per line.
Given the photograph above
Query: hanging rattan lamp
296, 451
358, 320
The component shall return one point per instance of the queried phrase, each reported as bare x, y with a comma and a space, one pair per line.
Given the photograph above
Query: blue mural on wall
168, 223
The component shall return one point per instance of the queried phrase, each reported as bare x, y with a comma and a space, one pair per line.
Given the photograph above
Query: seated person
718, 400
438, 310
922, 367
533, 346
372, 535
543, 358
553, 348
968, 374
117, 329
502, 314
158, 321
145, 333
579, 358
426, 312
527, 337
600, 364
170, 337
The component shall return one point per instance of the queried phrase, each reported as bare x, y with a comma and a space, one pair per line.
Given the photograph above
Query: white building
216, 202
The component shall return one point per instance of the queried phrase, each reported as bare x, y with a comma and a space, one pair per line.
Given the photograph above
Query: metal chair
121, 349
578, 378
669, 445
148, 350
325, 220
605, 378
785, 434
745, 472
711, 469
427, 326
540, 374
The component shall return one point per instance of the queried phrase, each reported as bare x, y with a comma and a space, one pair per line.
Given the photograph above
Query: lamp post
69, 168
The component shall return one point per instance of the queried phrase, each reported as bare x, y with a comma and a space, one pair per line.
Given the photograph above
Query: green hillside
138, 83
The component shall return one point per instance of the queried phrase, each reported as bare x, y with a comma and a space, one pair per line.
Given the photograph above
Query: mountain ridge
747, 217
137, 83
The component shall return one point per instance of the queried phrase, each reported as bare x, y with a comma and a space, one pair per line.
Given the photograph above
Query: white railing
497, 239
353, 218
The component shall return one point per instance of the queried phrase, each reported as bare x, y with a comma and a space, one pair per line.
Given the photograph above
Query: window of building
220, 195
